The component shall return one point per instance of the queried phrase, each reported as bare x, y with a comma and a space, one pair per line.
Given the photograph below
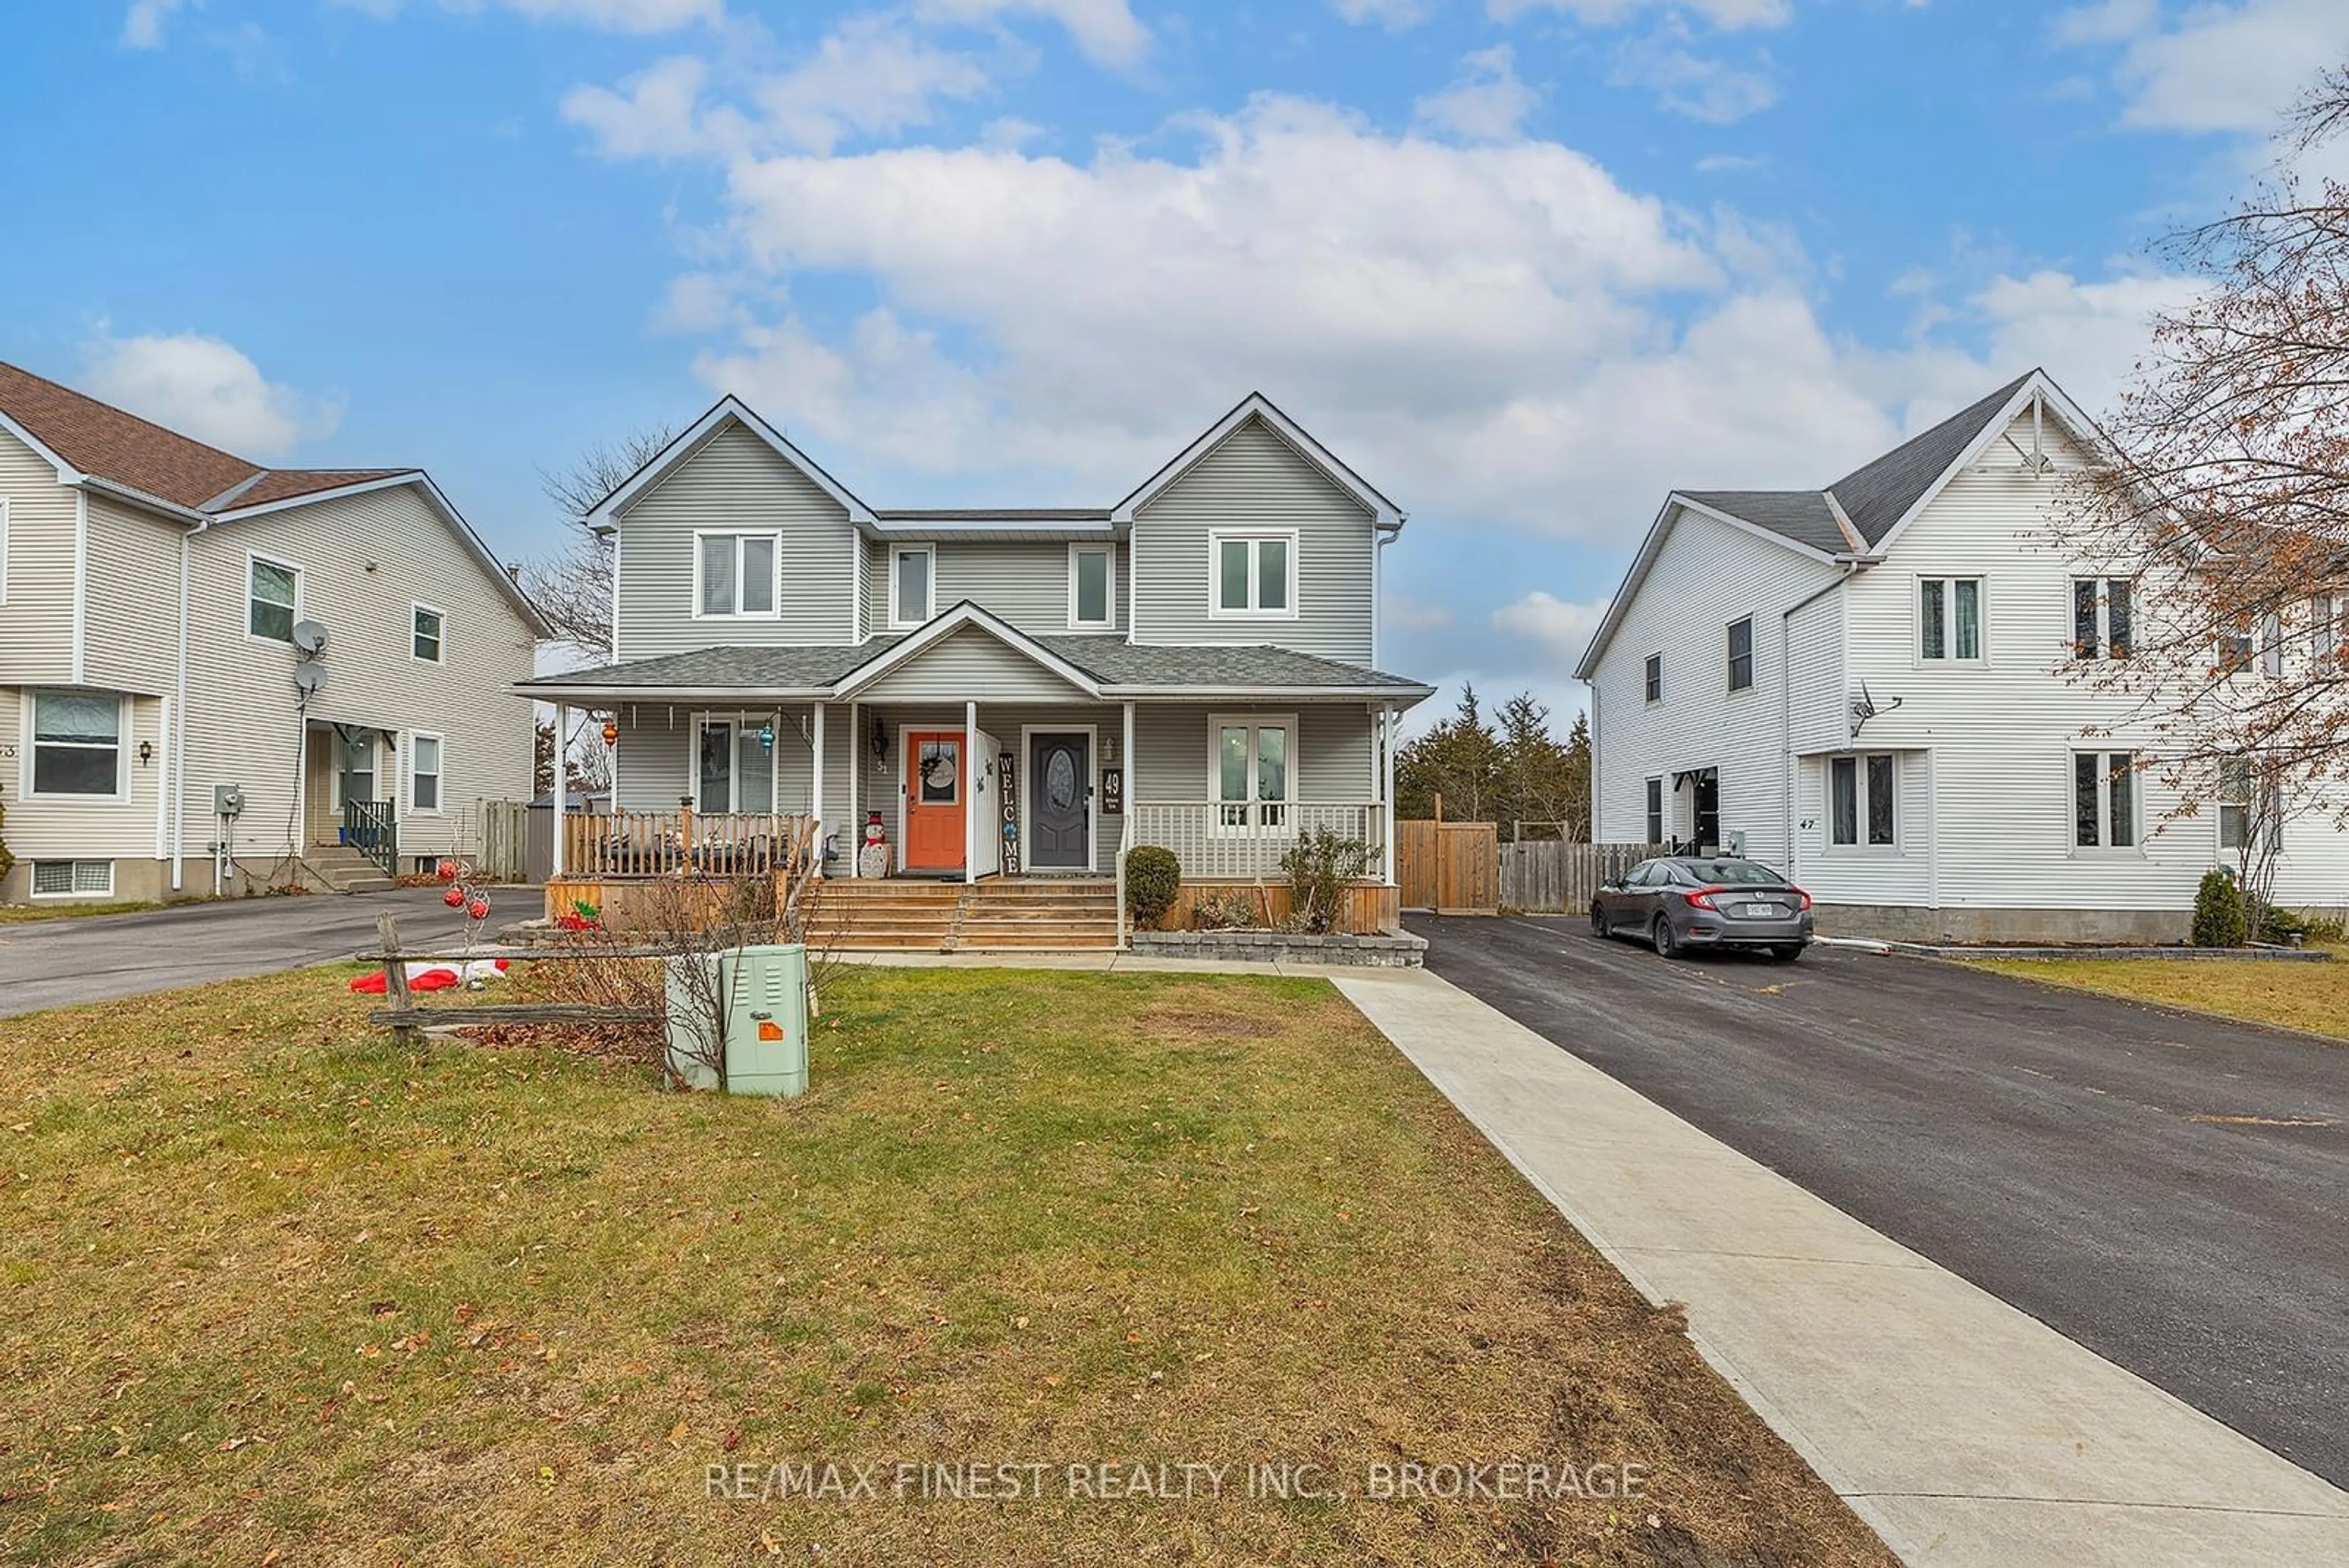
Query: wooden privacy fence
1451, 868
504, 839
1550, 878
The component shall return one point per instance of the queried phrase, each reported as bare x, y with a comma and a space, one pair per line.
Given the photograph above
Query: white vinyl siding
1024, 582
1254, 482
735, 484
36, 644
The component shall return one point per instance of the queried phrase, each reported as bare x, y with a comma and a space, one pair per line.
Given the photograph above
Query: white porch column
1125, 822
816, 789
1386, 791
970, 791
856, 776
561, 728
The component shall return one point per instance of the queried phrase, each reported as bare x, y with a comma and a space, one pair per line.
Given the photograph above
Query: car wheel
1788, 952
1667, 941
1599, 922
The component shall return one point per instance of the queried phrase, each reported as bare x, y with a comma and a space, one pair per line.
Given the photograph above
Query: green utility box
765, 989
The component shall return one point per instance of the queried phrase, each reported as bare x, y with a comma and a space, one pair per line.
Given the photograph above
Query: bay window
735, 575
1249, 774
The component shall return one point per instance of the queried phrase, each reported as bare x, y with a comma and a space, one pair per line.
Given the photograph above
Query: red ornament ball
478, 909
447, 870
454, 897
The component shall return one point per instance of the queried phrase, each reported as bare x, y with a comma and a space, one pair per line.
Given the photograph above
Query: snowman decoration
873, 861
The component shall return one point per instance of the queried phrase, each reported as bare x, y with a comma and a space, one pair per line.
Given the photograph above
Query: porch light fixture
146, 752
880, 740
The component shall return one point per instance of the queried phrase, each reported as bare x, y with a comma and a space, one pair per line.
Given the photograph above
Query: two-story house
1877, 686
332, 651
1000, 692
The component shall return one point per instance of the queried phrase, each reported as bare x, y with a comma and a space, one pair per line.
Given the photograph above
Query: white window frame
738, 613
301, 585
28, 721
2271, 638
73, 877
439, 638
2105, 845
1254, 539
1950, 654
1109, 597
1252, 820
738, 720
930, 603
1656, 663
1863, 795
1657, 807
2104, 617
440, 776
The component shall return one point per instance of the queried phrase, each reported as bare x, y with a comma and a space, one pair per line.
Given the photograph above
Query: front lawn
2313, 997
281, 1291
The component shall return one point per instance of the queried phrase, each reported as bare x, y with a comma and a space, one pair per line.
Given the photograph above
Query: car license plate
1763, 911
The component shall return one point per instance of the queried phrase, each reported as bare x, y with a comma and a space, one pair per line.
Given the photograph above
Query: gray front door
1060, 772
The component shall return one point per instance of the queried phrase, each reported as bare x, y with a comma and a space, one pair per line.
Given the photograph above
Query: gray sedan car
1689, 901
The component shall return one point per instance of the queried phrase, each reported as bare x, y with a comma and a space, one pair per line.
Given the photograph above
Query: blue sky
1528, 264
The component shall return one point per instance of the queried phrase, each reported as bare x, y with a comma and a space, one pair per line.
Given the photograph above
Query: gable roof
728, 411
1256, 406
95, 443
1855, 518
1877, 495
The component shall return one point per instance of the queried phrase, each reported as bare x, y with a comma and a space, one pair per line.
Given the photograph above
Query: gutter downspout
1852, 568
175, 766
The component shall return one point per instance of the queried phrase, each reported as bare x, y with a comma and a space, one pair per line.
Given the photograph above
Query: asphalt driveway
97, 958
2170, 1191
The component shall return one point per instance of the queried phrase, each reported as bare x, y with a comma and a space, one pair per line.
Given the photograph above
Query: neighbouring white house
1873, 686
1002, 694
334, 649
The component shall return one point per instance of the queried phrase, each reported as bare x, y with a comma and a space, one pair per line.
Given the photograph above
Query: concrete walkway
1962, 1430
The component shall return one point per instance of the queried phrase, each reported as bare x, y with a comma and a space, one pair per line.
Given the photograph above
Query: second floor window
1091, 605
1655, 678
1741, 654
738, 574
1948, 617
2103, 625
2104, 800
273, 599
910, 586
1254, 574
424, 634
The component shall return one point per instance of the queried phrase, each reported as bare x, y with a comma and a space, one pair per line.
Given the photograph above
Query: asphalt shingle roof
1109, 660
1876, 496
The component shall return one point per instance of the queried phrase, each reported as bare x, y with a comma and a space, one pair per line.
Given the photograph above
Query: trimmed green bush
1153, 878
2219, 919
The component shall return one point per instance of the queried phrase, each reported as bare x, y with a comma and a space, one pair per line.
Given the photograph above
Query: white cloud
1688, 83
1727, 14
2218, 67
1394, 16
1104, 31
1559, 629
204, 388
606, 15
142, 24
1485, 102
654, 118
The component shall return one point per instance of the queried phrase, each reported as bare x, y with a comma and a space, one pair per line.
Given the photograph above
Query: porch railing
655, 844
1246, 839
370, 827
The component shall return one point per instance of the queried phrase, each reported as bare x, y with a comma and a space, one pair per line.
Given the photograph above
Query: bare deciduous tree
574, 587
2222, 510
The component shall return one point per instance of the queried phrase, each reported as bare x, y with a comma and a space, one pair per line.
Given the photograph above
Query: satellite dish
309, 677
309, 638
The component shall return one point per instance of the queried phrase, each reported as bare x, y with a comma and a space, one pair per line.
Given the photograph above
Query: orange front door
935, 774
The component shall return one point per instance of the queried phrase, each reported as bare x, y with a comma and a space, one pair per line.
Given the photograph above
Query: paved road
96, 957
2046, 1145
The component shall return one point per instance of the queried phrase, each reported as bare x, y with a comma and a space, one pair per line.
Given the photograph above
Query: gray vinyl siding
130, 625
242, 724
735, 483
38, 613
1026, 583
1173, 755
967, 664
1254, 479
